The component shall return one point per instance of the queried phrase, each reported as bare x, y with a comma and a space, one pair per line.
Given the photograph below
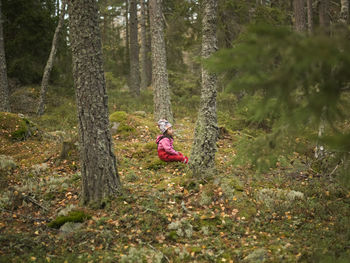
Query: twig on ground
30, 199
336, 167
152, 247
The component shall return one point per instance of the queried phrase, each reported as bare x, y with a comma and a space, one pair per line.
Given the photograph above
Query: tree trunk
98, 163
145, 80
299, 15
202, 162
324, 15
127, 46
310, 25
162, 105
4, 89
134, 50
148, 48
344, 11
50, 61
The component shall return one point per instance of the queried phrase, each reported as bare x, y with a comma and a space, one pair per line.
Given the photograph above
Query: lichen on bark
202, 160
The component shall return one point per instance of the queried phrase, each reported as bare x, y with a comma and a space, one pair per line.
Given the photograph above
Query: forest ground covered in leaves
290, 213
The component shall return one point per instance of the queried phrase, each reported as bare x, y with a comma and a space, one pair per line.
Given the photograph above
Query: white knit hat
164, 125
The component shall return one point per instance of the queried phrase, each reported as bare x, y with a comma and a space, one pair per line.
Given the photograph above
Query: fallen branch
32, 200
152, 247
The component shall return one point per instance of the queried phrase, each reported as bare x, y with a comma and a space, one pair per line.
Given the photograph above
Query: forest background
280, 191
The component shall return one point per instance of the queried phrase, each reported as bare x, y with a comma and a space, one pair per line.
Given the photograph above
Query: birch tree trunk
4, 88
310, 25
202, 161
134, 50
160, 82
50, 61
98, 163
299, 15
344, 11
145, 80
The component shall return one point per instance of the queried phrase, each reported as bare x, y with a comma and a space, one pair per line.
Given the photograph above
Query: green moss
15, 127
127, 124
118, 116
155, 164
73, 216
172, 235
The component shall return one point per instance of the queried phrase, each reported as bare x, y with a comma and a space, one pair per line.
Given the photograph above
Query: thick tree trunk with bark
202, 161
98, 163
344, 11
50, 61
310, 25
145, 77
299, 15
162, 105
134, 50
4, 89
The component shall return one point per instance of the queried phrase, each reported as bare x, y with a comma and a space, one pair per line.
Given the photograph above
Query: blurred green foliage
291, 82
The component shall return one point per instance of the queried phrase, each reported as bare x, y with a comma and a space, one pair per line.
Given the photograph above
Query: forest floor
290, 214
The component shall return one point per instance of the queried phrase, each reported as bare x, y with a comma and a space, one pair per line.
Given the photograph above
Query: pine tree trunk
202, 161
134, 50
310, 25
144, 56
299, 15
148, 47
127, 46
344, 11
98, 163
50, 61
324, 15
162, 105
4, 89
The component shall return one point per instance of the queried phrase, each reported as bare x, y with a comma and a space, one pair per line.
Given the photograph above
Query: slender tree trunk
127, 46
144, 77
148, 47
162, 105
134, 50
344, 11
310, 25
324, 15
299, 15
98, 163
4, 89
50, 61
58, 8
202, 162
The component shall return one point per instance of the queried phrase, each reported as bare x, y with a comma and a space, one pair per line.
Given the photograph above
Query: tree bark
50, 61
145, 80
4, 88
98, 163
148, 47
344, 11
202, 162
134, 50
160, 82
310, 25
299, 15
127, 46
324, 15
